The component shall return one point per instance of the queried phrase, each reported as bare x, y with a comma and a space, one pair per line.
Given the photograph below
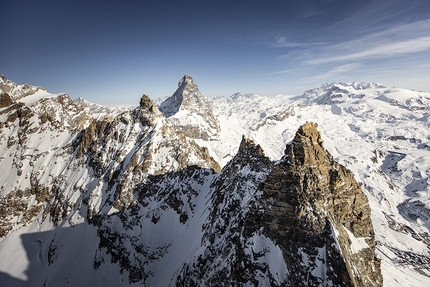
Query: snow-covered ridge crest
16, 91
138, 193
98, 111
323, 94
237, 96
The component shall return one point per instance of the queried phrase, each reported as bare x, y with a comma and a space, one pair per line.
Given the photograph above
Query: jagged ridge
128, 177
306, 210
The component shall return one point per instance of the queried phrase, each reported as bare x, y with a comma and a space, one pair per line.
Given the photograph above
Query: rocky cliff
315, 207
301, 221
103, 197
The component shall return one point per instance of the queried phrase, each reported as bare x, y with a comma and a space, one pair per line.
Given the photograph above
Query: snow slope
74, 172
381, 134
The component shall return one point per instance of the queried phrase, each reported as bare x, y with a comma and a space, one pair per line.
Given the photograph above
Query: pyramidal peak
190, 111
187, 96
186, 80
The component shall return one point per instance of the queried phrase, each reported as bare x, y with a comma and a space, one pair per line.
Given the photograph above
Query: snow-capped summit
221, 192
188, 109
361, 95
16, 91
186, 97
237, 96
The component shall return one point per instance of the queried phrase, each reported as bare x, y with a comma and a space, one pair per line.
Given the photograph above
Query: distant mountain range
328, 188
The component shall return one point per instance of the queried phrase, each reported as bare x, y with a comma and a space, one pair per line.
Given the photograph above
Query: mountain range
327, 188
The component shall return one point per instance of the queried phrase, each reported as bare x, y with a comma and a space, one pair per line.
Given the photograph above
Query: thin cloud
278, 72
399, 40
282, 42
295, 44
333, 73
381, 51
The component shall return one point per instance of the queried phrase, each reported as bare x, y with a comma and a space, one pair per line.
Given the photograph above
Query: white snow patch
357, 243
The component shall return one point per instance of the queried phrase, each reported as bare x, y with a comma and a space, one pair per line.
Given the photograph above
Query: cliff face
306, 212
314, 207
156, 209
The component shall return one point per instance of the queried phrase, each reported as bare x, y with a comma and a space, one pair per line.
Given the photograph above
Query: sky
111, 52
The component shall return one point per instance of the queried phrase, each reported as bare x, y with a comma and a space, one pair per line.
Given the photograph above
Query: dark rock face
308, 205
146, 103
306, 197
300, 221
5, 100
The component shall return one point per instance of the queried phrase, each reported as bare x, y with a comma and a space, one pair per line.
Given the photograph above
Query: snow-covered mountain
190, 112
237, 191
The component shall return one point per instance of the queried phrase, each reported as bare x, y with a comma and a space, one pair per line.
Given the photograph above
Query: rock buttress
319, 216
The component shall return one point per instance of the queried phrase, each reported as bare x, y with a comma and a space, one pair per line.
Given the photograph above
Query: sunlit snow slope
119, 196
382, 134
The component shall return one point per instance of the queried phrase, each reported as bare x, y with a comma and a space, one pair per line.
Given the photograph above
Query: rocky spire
306, 196
147, 111
249, 151
147, 105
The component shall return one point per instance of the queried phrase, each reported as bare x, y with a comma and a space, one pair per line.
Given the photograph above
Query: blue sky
110, 52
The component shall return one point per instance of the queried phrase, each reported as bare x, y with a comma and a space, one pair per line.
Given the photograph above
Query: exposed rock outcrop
308, 205
5, 100
312, 206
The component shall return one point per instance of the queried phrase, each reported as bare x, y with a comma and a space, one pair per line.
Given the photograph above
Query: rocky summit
305, 212
239, 191
185, 106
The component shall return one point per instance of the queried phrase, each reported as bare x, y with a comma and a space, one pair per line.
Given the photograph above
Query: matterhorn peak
186, 79
188, 104
187, 96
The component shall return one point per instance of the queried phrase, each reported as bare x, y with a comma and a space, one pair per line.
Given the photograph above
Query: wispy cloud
399, 40
333, 74
383, 50
277, 72
284, 42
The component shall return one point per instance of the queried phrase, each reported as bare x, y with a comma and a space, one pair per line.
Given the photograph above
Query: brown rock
5, 100
146, 103
306, 195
